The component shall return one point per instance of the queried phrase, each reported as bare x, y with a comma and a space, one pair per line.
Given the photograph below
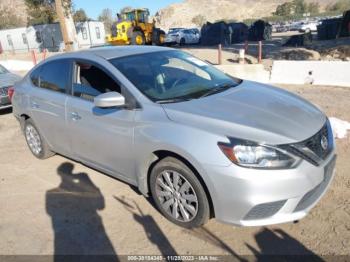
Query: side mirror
110, 99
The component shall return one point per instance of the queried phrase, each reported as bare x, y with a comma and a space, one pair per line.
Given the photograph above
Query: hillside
181, 14
16, 8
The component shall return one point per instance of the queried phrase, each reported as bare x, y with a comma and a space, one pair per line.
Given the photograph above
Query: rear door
188, 36
48, 96
101, 137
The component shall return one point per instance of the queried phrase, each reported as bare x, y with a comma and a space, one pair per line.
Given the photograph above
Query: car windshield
173, 76
3, 70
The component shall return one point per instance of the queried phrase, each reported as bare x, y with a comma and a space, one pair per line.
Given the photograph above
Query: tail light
11, 92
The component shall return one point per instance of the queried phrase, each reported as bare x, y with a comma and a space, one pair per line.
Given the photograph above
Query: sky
94, 7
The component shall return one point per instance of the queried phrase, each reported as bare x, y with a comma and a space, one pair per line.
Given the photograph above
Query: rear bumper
250, 197
5, 102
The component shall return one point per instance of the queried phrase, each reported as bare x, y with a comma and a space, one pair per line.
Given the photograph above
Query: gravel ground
58, 206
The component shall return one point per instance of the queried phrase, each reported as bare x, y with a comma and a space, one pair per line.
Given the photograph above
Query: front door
100, 137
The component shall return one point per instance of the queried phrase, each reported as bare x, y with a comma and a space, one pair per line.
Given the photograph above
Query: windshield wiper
173, 100
217, 89
208, 92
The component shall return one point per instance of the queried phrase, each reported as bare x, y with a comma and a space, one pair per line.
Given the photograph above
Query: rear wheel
178, 193
138, 38
36, 143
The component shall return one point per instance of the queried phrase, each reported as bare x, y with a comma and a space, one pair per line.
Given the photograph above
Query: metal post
219, 54
33, 57
260, 52
246, 46
241, 56
44, 53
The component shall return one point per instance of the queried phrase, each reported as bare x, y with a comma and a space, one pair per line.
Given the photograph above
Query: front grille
311, 149
3, 91
264, 210
314, 143
312, 196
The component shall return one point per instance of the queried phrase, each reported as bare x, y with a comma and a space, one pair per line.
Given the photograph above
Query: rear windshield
3, 70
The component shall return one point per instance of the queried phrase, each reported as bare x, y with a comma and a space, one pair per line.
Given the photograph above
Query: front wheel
178, 193
138, 38
182, 41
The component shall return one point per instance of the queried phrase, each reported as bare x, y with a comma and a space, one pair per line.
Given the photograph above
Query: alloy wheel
33, 139
176, 195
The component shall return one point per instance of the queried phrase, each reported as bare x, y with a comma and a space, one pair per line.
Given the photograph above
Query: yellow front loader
134, 28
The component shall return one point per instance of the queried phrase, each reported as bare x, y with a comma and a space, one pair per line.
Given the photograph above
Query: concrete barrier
333, 73
249, 72
17, 65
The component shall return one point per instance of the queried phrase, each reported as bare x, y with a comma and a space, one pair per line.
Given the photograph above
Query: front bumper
251, 197
171, 40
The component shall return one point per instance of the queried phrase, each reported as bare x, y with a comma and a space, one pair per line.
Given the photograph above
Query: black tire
202, 205
156, 37
45, 151
135, 35
182, 41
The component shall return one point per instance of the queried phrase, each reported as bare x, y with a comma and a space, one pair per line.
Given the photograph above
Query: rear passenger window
55, 76
34, 77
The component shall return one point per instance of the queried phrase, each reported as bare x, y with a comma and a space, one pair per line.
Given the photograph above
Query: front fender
198, 147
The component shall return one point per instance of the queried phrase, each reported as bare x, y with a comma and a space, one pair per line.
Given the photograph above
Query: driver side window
90, 81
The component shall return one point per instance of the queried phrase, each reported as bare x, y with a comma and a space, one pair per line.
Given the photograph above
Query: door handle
34, 105
75, 116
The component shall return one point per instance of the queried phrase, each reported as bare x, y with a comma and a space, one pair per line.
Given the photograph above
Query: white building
90, 34
40, 37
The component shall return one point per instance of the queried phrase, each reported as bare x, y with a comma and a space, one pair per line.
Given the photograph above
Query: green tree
107, 18
80, 16
299, 7
199, 20
285, 9
43, 11
40, 11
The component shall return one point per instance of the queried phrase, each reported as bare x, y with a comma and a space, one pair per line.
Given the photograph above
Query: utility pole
68, 43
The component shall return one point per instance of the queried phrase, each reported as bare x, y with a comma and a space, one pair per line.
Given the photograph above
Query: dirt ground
58, 206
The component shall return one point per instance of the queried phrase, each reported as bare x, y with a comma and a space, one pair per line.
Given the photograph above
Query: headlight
253, 155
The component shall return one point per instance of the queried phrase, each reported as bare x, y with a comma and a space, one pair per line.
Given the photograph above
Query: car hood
251, 111
8, 79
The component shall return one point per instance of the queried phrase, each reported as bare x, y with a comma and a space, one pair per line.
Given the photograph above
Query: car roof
110, 52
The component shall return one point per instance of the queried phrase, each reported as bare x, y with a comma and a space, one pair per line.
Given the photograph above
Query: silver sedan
203, 144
